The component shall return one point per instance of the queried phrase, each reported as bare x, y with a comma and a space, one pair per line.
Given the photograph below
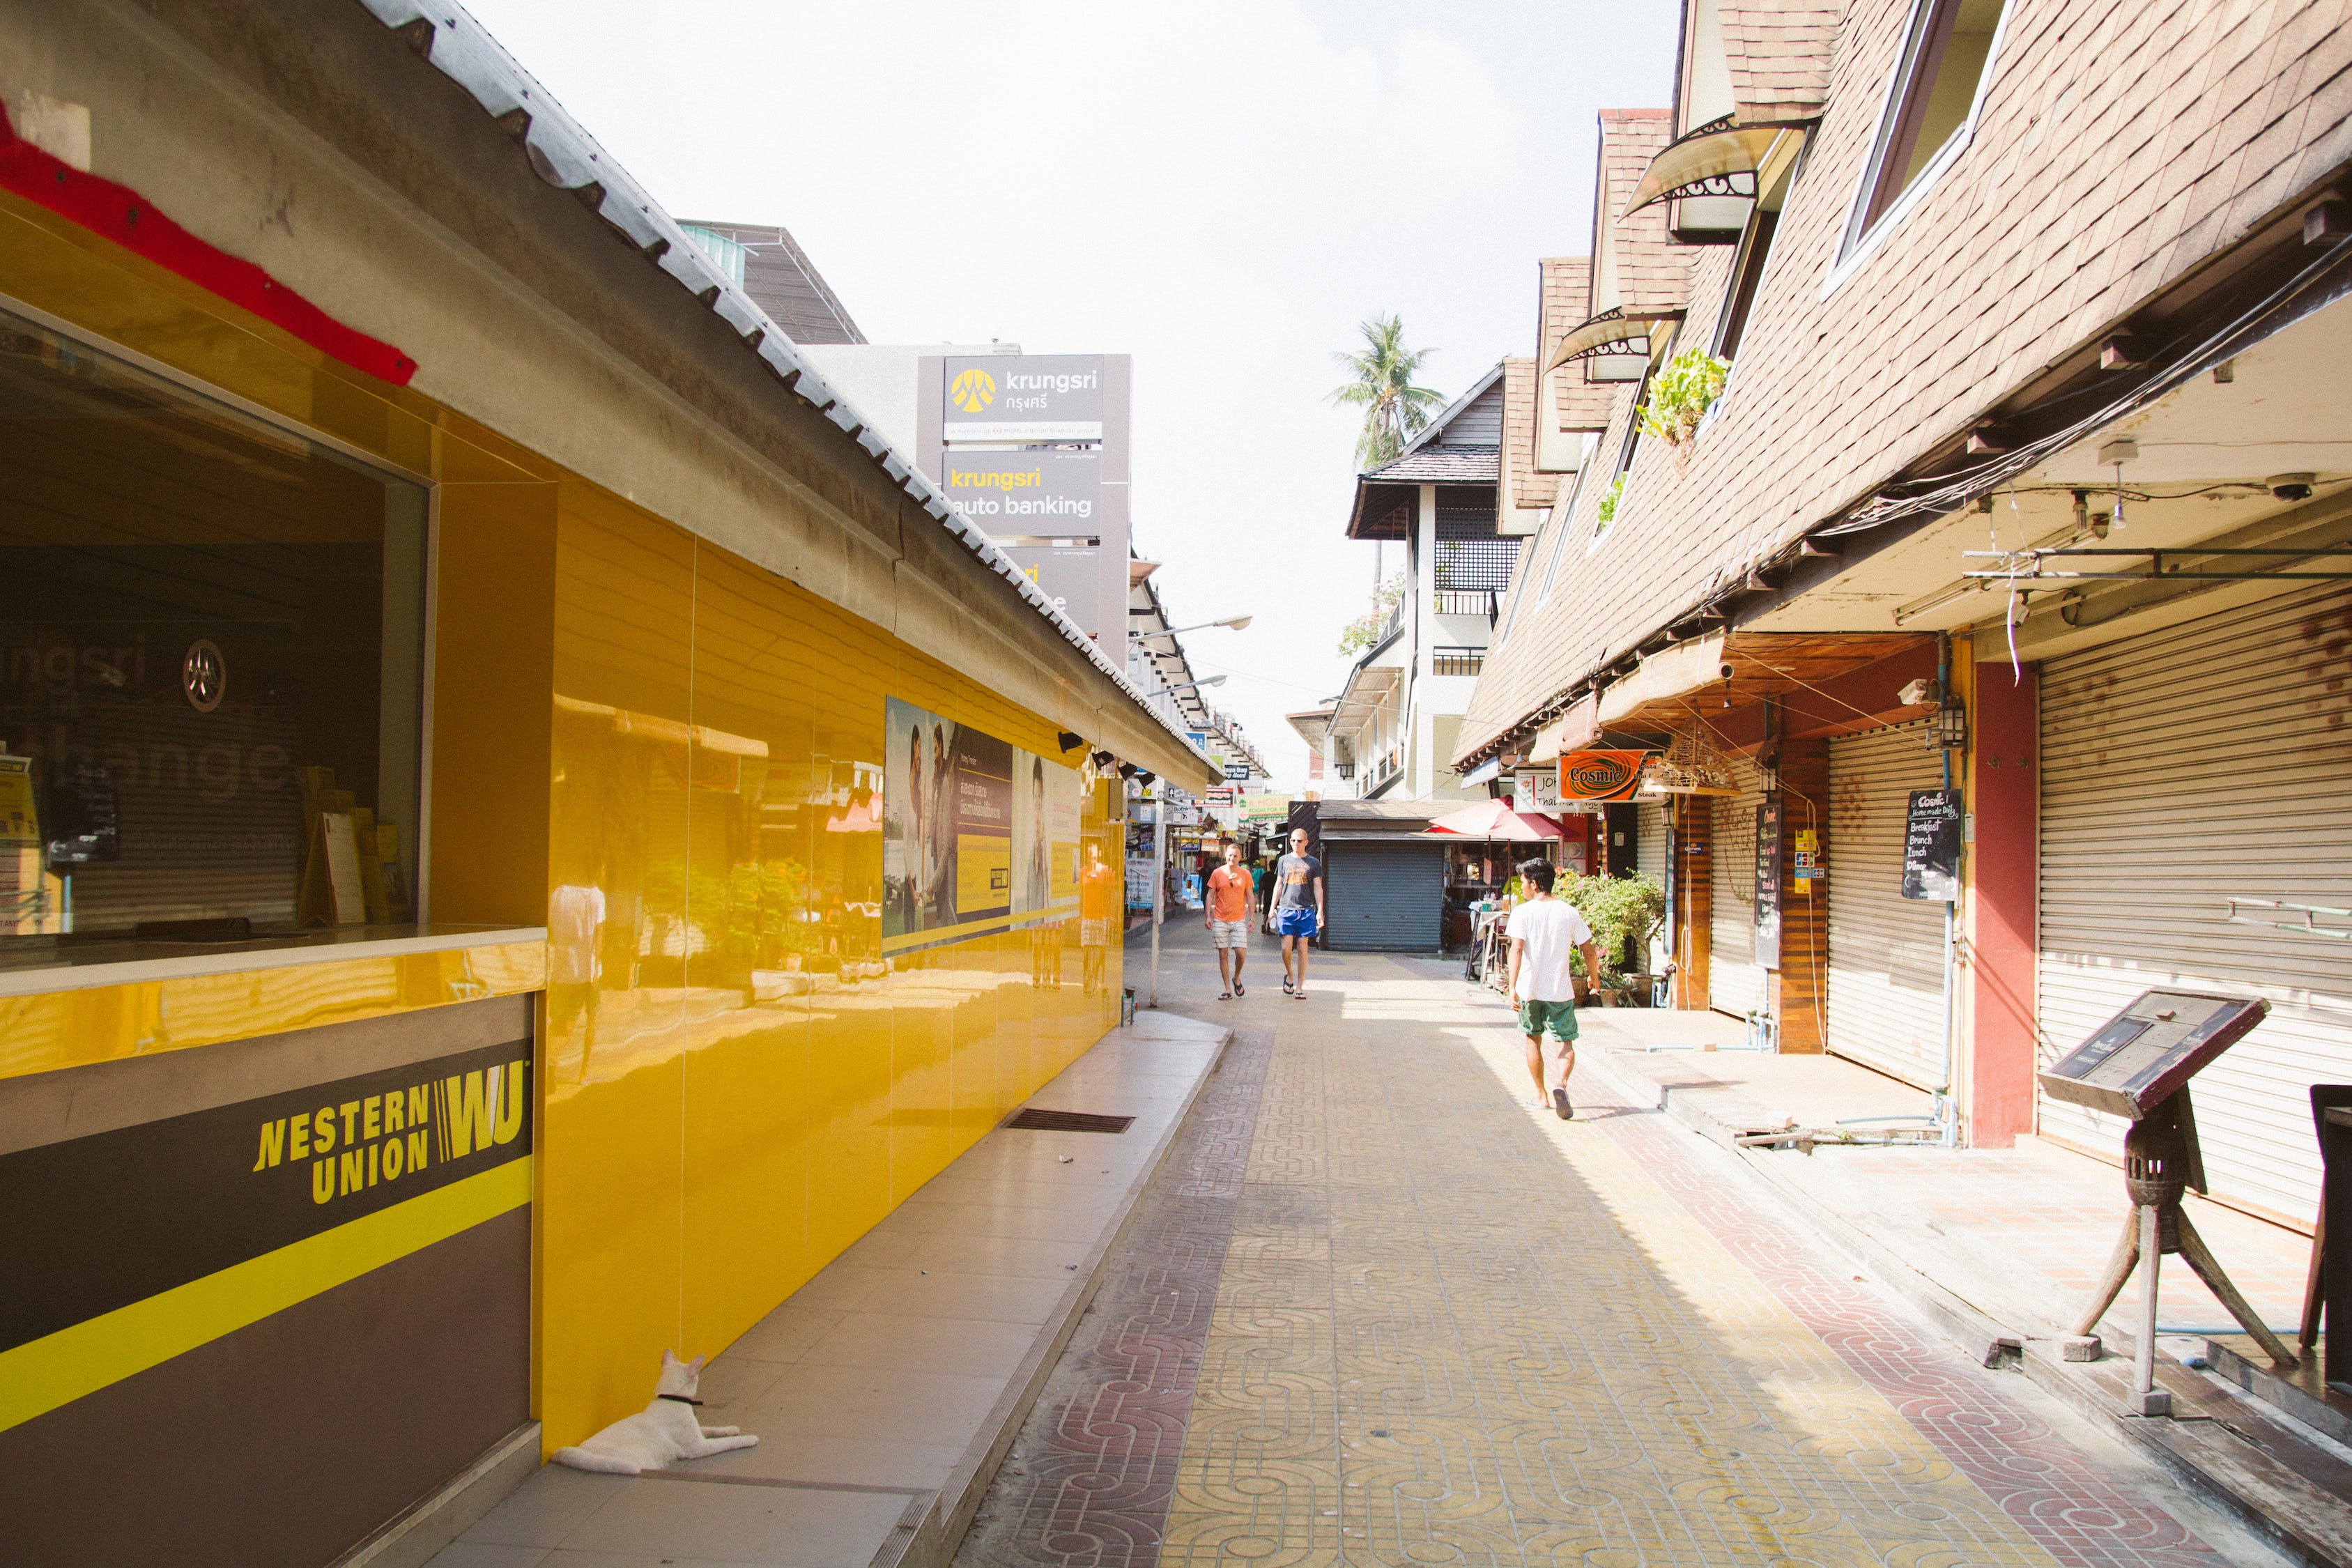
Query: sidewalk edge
2250, 1487
930, 1542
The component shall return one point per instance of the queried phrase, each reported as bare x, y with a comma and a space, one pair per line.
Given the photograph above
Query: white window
1931, 108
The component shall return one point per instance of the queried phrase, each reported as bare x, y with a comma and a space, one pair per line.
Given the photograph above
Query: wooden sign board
1932, 835
1768, 882
2142, 1055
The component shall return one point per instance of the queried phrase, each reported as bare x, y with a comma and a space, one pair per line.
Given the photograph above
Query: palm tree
1394, 408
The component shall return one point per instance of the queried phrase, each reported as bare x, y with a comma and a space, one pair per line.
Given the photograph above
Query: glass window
211, 663
1944, 62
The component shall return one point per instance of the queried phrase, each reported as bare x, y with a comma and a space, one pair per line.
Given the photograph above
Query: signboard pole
1159, 886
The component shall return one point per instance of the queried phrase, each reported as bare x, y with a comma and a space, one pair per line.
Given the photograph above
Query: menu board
2142, 1055
1931, 846
1768, 882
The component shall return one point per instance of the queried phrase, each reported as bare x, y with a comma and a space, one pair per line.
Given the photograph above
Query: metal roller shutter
1887, 951
2178, 768
1384, 898
1649, 854
1734, 984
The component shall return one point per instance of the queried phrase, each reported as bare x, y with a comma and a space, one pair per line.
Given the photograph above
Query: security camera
2292, 486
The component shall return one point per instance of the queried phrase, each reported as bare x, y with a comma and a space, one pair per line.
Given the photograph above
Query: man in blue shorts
1297, 910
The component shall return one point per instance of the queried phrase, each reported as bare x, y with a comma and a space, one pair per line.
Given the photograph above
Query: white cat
664, 1432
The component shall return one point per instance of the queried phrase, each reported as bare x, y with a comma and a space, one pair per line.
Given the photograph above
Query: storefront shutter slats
1735, 984
1886, 970
2180, 768
1649, 854
1384, 898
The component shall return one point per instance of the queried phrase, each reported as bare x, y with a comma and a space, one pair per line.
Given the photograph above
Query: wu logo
972, 391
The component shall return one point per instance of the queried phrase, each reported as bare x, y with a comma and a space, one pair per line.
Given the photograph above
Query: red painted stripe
130, 220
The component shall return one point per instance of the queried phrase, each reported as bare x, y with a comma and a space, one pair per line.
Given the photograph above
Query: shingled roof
1523, 489
1781, 53
2098, 177
1638, 264
1576, 403
1441, 466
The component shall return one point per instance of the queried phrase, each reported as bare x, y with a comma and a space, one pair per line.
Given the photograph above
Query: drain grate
1037, 1121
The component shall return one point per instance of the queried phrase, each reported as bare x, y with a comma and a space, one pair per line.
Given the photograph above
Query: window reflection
211, 633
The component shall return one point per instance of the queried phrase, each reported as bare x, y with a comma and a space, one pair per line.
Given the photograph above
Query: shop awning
1671, 685
1718, 159
1495, 821
1604, 332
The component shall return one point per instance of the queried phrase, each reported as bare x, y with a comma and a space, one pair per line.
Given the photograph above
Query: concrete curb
431, 1523
933, 1525
2224, 1449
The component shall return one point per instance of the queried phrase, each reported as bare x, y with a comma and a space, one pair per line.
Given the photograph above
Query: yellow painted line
40, 1375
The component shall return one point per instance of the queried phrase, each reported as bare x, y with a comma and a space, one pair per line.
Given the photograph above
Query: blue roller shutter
1384, 896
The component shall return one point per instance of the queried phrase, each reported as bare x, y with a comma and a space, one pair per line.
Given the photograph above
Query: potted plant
1681, 394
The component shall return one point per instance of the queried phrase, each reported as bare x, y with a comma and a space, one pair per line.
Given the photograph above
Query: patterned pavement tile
1376, 1311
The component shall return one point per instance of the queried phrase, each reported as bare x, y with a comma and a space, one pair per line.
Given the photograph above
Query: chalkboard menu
2151, 1048
1768, 882
1931, 846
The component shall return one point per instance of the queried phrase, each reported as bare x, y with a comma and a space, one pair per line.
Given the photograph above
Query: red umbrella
1495, 820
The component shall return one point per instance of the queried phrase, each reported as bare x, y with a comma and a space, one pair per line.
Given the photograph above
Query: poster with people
977, 834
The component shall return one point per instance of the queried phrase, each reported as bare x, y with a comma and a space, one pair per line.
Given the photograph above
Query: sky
1224, 191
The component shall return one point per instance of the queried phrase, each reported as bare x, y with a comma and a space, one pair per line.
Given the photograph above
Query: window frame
1861, 238
196, 386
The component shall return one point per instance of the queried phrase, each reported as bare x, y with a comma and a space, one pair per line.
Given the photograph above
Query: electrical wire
1952, 493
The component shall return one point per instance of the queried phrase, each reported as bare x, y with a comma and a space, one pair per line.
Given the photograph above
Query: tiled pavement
1376, 1310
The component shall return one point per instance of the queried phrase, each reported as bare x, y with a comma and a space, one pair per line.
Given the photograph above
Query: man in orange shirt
1227, 912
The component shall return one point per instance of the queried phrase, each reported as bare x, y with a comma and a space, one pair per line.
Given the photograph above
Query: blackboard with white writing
1931, 846
1768, 882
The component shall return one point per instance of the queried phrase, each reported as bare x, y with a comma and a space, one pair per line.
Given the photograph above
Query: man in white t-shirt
1546, 935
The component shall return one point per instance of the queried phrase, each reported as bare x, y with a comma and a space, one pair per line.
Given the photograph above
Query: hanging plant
1681, 394
1608, 499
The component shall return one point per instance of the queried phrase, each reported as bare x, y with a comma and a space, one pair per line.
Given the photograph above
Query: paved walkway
1376, 1310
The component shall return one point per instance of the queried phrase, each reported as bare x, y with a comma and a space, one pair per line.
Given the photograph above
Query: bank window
211, 665
1946, 56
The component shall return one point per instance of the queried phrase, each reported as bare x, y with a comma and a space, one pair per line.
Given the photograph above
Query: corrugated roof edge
562, 153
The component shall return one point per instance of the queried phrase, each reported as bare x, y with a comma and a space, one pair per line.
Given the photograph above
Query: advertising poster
978, 835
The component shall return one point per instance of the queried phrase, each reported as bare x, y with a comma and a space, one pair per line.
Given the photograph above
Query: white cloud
1222, 190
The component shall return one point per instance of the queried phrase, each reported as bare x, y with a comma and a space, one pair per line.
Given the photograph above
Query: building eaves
562, 153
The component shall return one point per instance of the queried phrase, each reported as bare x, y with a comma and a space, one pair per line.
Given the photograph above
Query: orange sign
1599, 775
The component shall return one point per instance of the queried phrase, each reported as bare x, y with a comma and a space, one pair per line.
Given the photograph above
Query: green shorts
1560, 1017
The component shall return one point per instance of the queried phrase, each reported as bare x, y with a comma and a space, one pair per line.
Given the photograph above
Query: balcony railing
1345, 770
1457, 660
1469, 601
1383, 769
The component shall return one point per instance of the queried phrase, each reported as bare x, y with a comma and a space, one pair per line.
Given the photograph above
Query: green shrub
1620, 910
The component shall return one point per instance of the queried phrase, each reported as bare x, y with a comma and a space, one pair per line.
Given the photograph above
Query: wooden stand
2162, 1162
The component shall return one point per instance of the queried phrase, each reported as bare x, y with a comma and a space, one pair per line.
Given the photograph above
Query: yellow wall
703, 1154
700, 1156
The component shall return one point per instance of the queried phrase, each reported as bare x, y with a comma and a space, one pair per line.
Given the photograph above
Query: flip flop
1240, 989
1224, 996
